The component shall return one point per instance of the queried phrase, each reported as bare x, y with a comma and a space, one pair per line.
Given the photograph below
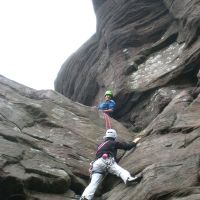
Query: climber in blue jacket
108, 105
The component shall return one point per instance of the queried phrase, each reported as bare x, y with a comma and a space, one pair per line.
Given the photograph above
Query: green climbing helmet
109, 92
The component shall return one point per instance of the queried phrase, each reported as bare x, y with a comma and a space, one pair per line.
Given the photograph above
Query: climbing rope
107, 121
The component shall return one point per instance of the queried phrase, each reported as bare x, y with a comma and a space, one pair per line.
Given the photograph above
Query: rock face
147, 52
46, 143
143, 50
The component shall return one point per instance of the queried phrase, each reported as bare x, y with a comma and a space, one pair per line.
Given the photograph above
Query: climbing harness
104, 156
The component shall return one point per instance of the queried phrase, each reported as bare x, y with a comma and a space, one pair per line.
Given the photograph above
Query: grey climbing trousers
100, 167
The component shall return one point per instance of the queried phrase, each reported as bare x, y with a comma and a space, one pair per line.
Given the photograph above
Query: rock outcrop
148, 53
141, 50
46, 143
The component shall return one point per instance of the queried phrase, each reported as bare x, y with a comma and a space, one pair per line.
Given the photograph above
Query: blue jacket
107, 105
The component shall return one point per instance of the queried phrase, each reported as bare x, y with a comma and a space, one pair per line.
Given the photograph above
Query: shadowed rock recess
148, 53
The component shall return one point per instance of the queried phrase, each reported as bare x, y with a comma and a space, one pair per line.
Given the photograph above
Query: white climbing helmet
110, 133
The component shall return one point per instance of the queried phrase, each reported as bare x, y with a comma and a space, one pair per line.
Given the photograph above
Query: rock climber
108, 105
106, 163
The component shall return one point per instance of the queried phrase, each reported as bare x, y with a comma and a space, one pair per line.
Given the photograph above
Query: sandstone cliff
46, 143
147, 52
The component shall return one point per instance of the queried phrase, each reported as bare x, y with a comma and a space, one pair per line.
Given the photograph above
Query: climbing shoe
135, 179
